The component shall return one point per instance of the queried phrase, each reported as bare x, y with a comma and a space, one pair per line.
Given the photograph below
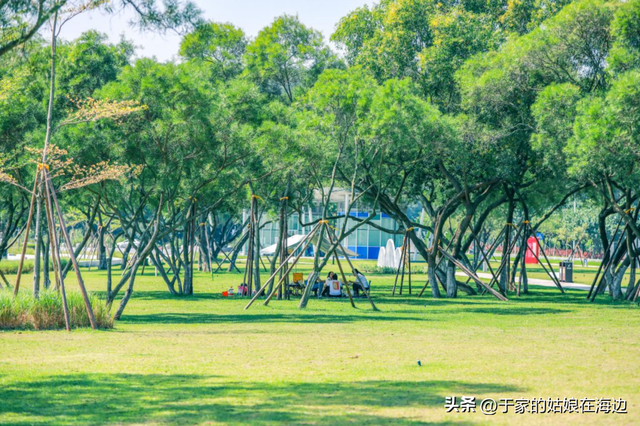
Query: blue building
366, 240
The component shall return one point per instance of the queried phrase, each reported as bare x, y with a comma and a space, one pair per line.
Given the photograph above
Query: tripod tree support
67, 240
595, 279
305, 243
26, 234
439, 262
336, 244
364, 290
484, 259
553, 273
203, 227
610, 263
506, 254
400, 271
332, 238
293, 259
473, 276
284, 234
405, 261
57, 267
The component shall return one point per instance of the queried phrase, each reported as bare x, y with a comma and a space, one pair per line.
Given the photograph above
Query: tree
499, 89
287, 57
191, 144
625, 52
457, 36
20, 20
428, 41
387, 38
222, 46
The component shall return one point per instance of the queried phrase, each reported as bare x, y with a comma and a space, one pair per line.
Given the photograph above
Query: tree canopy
482, 115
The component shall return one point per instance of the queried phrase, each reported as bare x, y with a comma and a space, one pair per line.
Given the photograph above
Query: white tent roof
293, 241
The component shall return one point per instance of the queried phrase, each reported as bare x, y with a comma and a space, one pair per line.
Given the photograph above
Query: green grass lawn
204, 360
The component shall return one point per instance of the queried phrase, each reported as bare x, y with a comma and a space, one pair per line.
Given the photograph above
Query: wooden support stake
399, 271
284, 235
262, 262
473, 276
608, 265
207, 242
344, 279
57, 266
226, 257
364, 290
409, 262
53, 241
74, 261
506, 252
554, 277
485, 259
26, 233
426, 284
595, 279
282, 265
403, 262
333, 240
307, 242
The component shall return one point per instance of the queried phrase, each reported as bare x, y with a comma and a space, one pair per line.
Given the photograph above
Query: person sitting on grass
320, 285
361, 284
243, 290
331, 286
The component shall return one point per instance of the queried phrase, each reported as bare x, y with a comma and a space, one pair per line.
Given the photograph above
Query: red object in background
533, 251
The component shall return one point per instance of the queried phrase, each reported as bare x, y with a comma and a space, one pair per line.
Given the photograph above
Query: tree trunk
632, 280
112, 251
156, 260
237, 250
205, 250
523, 271
272, 269
45, 262
431, 274
125, 253
615, 284
38, 246
452, 286
127, 296
188, 261
607, 278
256, 249
506, 255
102, 250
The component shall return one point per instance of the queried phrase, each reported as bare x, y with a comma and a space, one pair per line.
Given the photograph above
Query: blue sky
250, 15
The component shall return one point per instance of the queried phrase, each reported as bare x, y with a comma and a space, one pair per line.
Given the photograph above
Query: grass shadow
91, 399
518, 311
262, 318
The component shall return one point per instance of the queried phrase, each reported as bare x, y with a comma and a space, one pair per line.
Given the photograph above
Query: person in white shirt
332, 286
361, 283
320, 288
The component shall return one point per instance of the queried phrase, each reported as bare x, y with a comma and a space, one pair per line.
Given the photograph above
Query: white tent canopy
293, 241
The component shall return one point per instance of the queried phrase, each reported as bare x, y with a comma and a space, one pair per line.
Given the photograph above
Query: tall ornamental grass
10, 267
25, 312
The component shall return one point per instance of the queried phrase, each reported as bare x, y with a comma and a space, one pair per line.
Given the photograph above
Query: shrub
45, 313
385, 270
10, 267
377, 270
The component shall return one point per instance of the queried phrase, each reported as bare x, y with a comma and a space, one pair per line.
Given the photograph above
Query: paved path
538, 281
